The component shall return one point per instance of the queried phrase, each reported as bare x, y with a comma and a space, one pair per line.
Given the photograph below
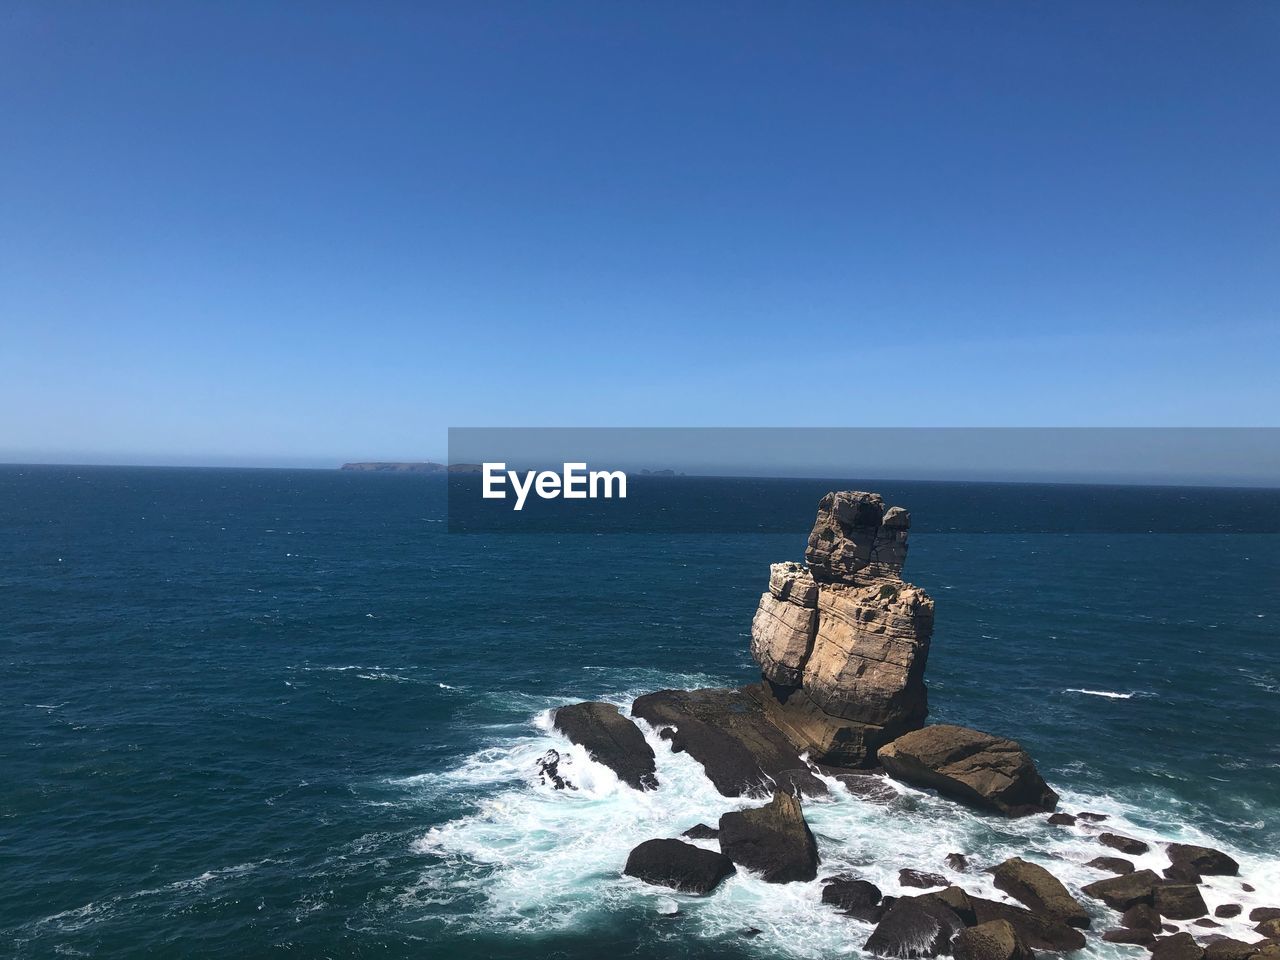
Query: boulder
1205, 861
1181, 873
1062, 820
1141, 916
1227, 910
1206, 922
610, 739
1264, 913
1037, 932
700, 831
916, 878
1040, 890
772, 840
1179, 901
1123, 892
959, 902
914, 927
958, 862
1128, 935
1111, 864
1180, 946
985, 771
1122, 843
850, 894
679, 865
727, 732
853, 535
1269, 928
1229, 949
995, 940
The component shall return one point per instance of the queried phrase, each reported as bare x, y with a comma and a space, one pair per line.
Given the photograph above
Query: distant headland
404, 466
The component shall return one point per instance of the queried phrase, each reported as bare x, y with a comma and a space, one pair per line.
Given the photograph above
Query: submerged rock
1040, 890
772, 840
914, 927
679, 865
610, 739
727, 732
994, 940
1122, 843
1205, 861
1062, 820
700, 831
1111, 864
958, 862
549, 771
985, 771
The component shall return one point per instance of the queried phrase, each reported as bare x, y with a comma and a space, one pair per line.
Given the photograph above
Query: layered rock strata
843, 643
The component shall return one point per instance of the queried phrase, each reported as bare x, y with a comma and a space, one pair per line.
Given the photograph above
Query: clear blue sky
302, 232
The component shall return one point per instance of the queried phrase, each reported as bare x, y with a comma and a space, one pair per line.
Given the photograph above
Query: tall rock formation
842, 644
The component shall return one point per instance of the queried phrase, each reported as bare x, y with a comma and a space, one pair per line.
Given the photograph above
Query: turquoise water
253, 713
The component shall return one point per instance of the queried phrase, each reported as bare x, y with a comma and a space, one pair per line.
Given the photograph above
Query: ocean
254, 713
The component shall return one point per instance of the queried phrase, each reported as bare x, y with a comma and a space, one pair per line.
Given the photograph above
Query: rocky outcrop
1123, 892
610, 739
1037, 932
1111, 864
1205, 861
1180, 946
1124, 844
1040, 890
728, 733
914, 927
843, 644
773, 840
1179, 901
994, 940
679, 865
549, 771
980, 769
858, 898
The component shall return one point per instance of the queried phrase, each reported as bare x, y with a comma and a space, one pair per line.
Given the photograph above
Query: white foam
1111, 694
528, 858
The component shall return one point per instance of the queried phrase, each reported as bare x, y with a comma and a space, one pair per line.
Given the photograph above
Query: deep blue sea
251, 713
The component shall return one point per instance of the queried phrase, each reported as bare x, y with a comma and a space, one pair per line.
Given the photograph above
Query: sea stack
843, 643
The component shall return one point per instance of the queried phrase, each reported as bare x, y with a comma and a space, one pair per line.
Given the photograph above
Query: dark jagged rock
1111, 864
1141, 916
611, 739
1128, 935
995, 940
916, 878
958, 862
680, 865
1180, 946
700, 831
1040, 890
1037, 932
1093, 817
1062, 820
850, 894
1123, 892
727, 732
549, 771
1227, 910
959, 902
989, 772
1122, 843
869, 787
1181, 873
1179, 901
1229, 949
1205, 861
914, 927
773, 840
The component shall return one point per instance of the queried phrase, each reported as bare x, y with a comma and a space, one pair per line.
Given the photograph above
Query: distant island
397, 466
